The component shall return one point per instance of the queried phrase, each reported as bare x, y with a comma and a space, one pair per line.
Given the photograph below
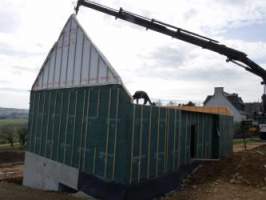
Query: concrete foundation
46, 174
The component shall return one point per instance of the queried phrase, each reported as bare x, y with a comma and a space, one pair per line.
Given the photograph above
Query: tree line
11, 134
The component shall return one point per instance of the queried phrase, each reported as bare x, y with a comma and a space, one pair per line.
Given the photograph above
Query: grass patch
248, 140
7, 147
12, 122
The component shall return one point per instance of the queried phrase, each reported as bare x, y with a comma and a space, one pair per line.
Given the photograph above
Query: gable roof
234, 99
74, 61
207, 99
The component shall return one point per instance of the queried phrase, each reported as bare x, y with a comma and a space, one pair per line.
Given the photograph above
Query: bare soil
12, 172
251, 145
11, 156
240, 177
11, 165
10, 191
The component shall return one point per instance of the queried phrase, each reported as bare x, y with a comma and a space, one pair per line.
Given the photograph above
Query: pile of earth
246, 167
241, 176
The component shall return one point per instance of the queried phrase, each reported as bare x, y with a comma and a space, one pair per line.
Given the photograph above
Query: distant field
4, 122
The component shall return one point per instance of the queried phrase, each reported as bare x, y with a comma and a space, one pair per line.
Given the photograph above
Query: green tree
190, 103
22, 133
8, 134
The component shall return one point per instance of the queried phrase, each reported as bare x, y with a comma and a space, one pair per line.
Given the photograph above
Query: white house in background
232, 101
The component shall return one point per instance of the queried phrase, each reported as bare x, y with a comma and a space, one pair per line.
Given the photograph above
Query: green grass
248, 140
7, 147
4, 122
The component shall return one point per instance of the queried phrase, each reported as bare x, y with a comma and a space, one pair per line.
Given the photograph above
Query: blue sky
251, 32
167, 69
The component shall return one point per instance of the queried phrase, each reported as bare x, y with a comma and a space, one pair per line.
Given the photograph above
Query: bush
22, 133
11, 134
8, 134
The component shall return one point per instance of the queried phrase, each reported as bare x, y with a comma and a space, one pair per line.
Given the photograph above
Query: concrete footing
46, 174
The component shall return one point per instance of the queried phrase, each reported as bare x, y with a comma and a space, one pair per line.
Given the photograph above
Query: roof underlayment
74, 61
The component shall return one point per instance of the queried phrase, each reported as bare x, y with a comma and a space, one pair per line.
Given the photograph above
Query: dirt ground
11, 173
240, 147
240, 177
10, 191
11, 165
11, 156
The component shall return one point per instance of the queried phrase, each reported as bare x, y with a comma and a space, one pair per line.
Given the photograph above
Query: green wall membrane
225, 135
82, 127
99, 131
161, 140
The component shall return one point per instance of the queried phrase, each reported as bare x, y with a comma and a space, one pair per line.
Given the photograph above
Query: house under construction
86, 134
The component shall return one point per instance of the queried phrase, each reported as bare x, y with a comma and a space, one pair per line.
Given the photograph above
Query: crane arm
232, 55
